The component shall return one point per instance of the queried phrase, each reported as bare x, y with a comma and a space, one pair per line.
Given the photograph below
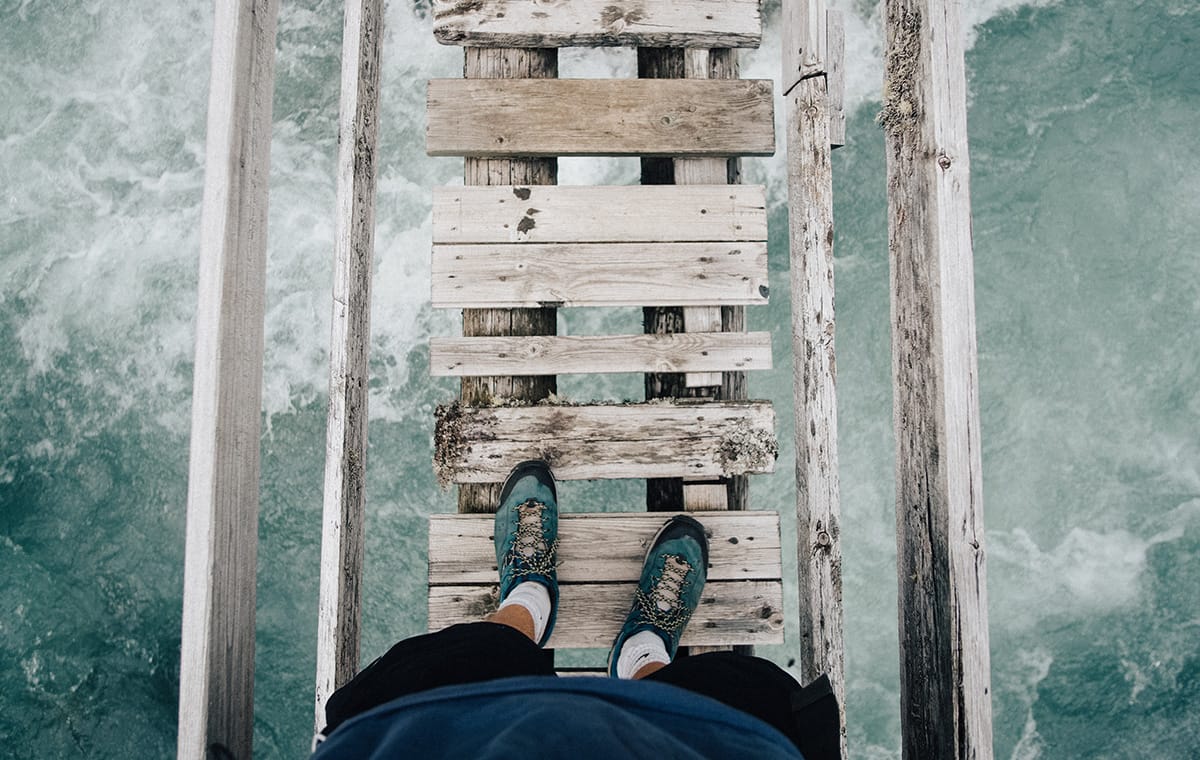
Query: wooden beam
482, 444
585, 214
600, 117
814, 385
342, 536
945, 696
836, 31
599, 274
608, 546
588, 354
216, 678
804, 42
592, 23
590, 614
702, 319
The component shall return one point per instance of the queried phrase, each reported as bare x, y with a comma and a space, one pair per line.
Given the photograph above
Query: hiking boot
668, 593
526, 533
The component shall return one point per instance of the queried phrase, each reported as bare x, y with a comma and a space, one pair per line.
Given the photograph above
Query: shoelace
529, 553
663, 606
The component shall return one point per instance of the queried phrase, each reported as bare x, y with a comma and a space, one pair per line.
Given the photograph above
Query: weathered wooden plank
804, 41
602, 547
600, 117
577, 354
481, 444
599, 274
945, 669
818, 548
339, 612
705, 496
493, 63
582, 214
593, 23
216, 678
590, 614
702, 319
836, 31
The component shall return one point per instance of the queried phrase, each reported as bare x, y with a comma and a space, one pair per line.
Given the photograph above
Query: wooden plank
582, 214
599, 274
702, 319
836, 31
216, 678
474, 444
705, 496
594, 23
818, 548
611, 546
572, 354
804, 41
590, 614
600, 117
339, 611
490, 64
945, 669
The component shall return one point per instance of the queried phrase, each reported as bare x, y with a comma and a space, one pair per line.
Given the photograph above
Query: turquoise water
1086, 194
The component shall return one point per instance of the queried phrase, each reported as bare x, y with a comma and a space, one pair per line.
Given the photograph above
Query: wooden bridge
688, 246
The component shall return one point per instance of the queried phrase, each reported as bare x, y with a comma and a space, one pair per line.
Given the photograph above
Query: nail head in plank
610, 546
590, 614
573, 354
599, 274
620, 214
651, 440
595, 23
600, 117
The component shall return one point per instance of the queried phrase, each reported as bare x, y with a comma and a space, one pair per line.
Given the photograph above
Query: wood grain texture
216, 679
599, 274
600, 117
836, 32
945, 670
474, 444
804, 41
342, 537
577, 354
814, 385
585, 214
594, 23
492, 63
607, 547
590, 614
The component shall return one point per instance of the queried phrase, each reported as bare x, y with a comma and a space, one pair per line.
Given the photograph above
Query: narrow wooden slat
599, 274
658, 439
702, 319
565, 355
590, 614
600, 117
836, 32
600, 547
593, 23
580, 214
705, 496
804, 41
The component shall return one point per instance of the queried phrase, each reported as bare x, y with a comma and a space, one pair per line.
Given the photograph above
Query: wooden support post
216, 679
499, 63
342, 535
836, 34
945, 698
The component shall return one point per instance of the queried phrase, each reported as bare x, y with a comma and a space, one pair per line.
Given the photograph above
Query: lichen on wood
748, 450
900, 113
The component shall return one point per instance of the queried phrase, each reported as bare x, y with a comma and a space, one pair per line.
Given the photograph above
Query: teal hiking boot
668, 593
526, 533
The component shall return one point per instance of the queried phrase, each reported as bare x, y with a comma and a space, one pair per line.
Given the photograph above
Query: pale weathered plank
579, 354
216, 678
658, 439
702, 319
703, 496
590, 614
611, 546
804, 41
945, 696
599, 274
593, 23
582, 214
836, 31
818, 548
600, 117
339, 612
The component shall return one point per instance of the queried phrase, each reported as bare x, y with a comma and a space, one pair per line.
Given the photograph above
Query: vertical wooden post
339, 614
945, 670
216, 679
810, 222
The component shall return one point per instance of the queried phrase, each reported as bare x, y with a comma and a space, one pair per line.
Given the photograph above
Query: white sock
535, 598
639, 650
